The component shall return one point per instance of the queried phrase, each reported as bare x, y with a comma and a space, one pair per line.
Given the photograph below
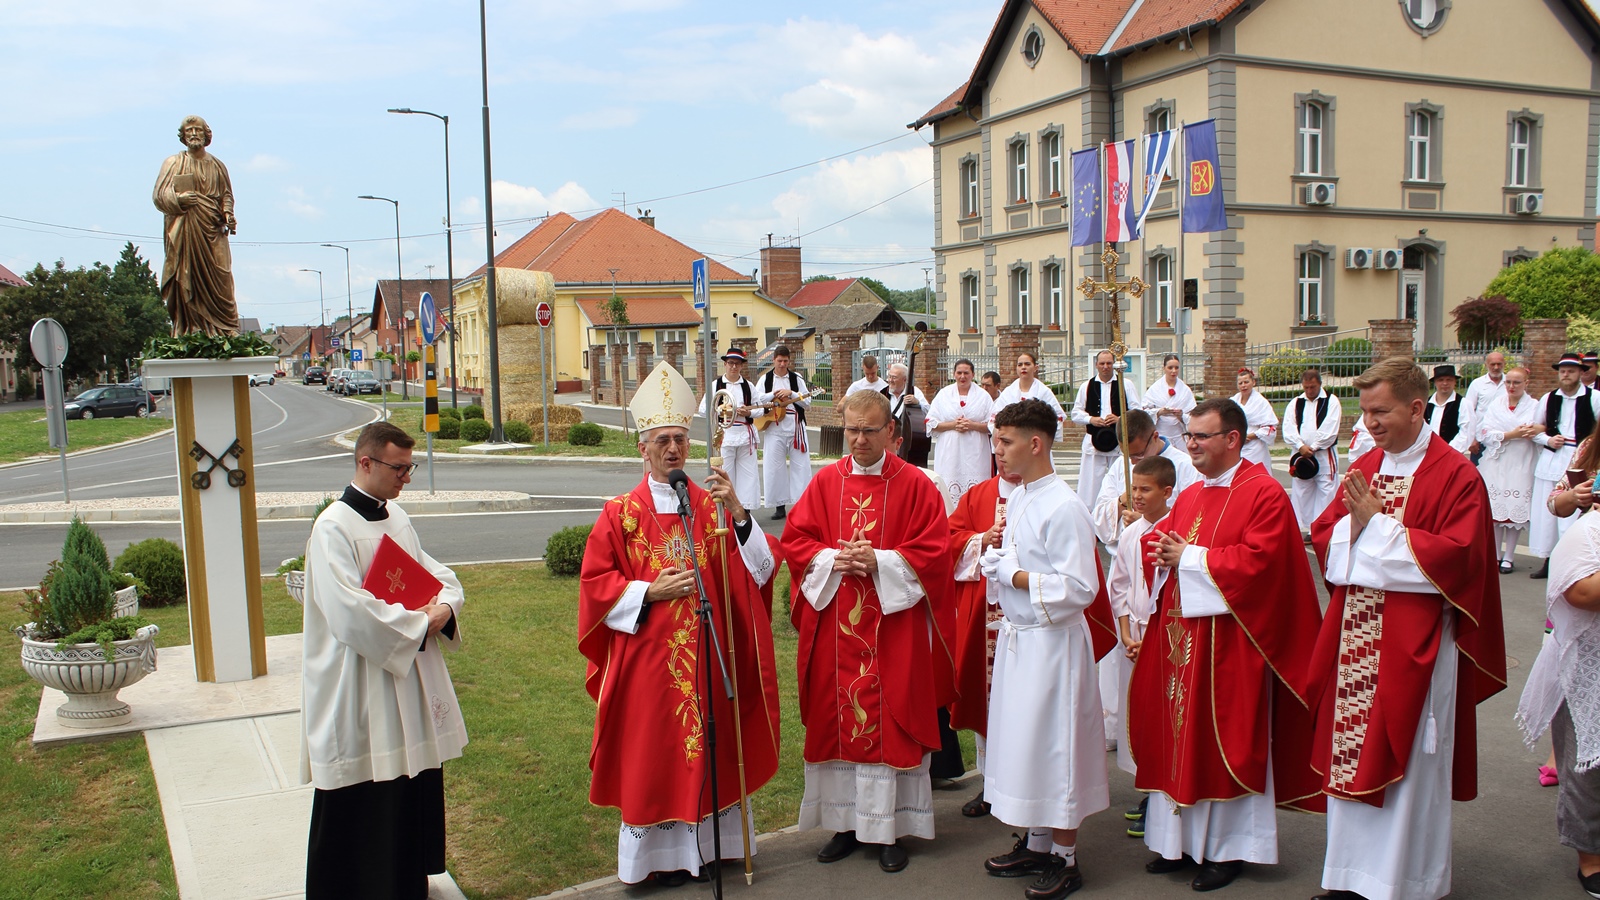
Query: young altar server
1411, 643
380, 714
1047, 764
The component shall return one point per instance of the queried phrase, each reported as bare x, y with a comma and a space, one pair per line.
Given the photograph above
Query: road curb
283, 512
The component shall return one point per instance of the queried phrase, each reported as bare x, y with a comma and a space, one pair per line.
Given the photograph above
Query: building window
1424, 126
1032, 46
1055, 301
1050, 149
1021, 296
680, 336
1161, 294
1311, 115
969, 188
971, 312
1313, 143
1425, 16
1160, 120
1523, 131
1018, 153
1312, 310
1521, 134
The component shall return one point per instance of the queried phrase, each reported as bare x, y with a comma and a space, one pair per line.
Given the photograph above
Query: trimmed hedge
563, 553
449, 412
585, 434
1285, 366
473, 411
475, 430
517, 432
449, 428
1347, 357
158, 563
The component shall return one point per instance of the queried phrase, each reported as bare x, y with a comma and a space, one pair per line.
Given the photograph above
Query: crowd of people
986, 594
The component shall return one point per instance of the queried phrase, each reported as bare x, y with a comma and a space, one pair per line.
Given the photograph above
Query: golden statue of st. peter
197, 276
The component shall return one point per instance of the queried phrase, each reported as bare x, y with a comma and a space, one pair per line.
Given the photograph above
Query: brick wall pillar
1011, 340
748, 345
843, 345
672, 352
647, 352
1393, 337
615, 361
700, 356
1543, 342
597, 368
1224, 345
933, 365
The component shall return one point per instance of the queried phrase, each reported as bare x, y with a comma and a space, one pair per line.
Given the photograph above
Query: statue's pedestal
217, 498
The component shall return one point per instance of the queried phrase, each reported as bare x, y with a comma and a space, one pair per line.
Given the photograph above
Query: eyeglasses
674, 440
853, 432
1195, 437
403, 470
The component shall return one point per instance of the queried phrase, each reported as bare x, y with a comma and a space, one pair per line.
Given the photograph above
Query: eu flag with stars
1087, 212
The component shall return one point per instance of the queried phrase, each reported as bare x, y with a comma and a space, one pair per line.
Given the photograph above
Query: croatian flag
1121, 223
1157, 165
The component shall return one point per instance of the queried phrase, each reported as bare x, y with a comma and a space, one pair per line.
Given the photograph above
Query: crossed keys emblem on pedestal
202, 479
1113, 288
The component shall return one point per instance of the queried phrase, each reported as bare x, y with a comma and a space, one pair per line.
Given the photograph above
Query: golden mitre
663, 398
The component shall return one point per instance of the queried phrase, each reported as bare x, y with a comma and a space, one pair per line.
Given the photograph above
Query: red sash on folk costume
870, 684
1376, 648
648, 757
1207, 693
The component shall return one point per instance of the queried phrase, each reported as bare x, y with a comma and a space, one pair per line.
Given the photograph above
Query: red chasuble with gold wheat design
649, 756
870, 684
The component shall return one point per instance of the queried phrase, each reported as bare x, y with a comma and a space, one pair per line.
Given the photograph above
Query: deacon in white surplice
1311, 429
1046, 762
380, 715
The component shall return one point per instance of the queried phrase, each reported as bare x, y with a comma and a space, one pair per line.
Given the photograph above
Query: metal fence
1340, 355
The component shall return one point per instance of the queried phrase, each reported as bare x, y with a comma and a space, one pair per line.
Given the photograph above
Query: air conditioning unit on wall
1527, 204
1358, 258
1387, 259
741, 321
1319, 193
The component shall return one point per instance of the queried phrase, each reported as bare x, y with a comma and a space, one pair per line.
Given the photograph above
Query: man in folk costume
1311, 429
1411, 643
1047, 769
1445, 413
1100, 403
381, 715
788, 455
639, 630
868, 544
1591, 369
1568, 414
1218, 720
739, 444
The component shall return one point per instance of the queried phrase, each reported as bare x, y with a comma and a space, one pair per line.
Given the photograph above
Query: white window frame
1161, 278
969, 188
1019, 172
1050, 149
972, 310
1312, 137
1310, 288
668, 336
1419, 146
1021, 296
1160, 120
1055, 299
1521, 152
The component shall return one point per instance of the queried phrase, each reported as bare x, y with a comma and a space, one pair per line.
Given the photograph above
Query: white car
268, 378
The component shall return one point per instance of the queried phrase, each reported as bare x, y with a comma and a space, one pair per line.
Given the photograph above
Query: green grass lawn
613, 442
23, 434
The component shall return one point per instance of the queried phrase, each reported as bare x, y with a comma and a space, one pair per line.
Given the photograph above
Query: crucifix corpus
1113, 289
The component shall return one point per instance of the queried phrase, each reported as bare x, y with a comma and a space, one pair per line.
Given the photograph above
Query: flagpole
1182, 189
1144, 155
1105, 209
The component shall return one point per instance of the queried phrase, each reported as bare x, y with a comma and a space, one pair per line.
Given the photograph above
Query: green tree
615, 312
1563, 283
135, 291
77, 298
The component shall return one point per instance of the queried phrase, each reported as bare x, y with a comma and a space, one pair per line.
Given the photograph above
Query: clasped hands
1001, 566
856, 557
1361, 501
1168, 549
1103, 421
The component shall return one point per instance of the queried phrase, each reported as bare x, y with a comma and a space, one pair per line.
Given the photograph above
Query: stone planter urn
127, 602
295, 584
90, 682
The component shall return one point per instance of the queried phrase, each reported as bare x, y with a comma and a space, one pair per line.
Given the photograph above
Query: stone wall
1224, 344
1543, 342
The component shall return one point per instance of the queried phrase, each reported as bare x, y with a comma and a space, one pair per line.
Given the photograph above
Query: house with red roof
839, 291
8, 358
1377, 160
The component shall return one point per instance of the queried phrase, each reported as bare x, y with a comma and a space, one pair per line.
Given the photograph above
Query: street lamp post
321, 302
449, 240
400, 273
349, 296
497, 434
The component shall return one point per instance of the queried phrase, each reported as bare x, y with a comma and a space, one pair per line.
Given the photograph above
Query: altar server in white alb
1170, 400
1311, 429
739, 441
1446, 413
1110, 513
787, 454
1046, 766
958, 419
1568, 414
1258, 414
1100, 404
380, 715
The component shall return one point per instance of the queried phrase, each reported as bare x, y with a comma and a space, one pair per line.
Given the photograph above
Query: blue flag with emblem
1202, 203
1087, 213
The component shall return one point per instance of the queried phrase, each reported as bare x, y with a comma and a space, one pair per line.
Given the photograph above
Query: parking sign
356, 355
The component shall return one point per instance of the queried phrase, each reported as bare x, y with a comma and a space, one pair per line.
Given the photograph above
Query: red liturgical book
395, 577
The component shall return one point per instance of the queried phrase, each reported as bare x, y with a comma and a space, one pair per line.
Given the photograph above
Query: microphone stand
708, 627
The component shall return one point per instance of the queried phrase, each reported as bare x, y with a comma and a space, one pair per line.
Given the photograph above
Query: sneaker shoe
1590, 883
1056, 881
1137, 812
1019, 861
1136, 828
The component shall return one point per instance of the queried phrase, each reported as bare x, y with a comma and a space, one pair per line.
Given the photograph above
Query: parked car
280, 373
359, 382
263, 379
110, 401
315, 375
138, 382
335, 378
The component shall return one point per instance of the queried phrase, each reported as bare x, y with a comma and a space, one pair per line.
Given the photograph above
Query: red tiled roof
1157, 19
388, 293
669, 309
585, 252
9, 278
1084, 24
944, 108
819, 293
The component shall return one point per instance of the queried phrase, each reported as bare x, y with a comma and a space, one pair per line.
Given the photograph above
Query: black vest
1451, 426
1092, 403
1300, 411
1582, 419
794, 387
721, 383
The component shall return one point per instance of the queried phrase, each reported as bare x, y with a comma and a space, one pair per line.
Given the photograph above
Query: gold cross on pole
1113, 289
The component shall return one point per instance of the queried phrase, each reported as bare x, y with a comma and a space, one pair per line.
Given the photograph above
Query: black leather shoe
1213, 875
1544, 571
1352, 895
1161, 865
1020, 861
976, 808
892, 857
1589, 883
671, 879
1505, 567
1057, 881
840, 846
778, 514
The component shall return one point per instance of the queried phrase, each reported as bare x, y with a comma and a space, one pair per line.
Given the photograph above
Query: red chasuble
975, 513
1207, 693
870, 684
1380, 660
649, 756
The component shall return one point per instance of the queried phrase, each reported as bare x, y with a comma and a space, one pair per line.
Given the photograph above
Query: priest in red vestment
1412, 642
1219, 721
638, 628
868, 546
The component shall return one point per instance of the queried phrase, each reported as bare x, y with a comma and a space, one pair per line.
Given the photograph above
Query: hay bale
533, 414
522, 378
517, 293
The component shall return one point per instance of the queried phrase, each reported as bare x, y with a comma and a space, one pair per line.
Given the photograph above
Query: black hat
1569, 359
1443, 372
1591, 359
1304, 467
734, 354
1104, 440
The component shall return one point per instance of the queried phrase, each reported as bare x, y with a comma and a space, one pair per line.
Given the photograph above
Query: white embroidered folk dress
962, 458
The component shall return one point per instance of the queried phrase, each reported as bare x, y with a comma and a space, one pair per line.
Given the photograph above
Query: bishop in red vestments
1411, 643
868, 546
638, 629
1220, 679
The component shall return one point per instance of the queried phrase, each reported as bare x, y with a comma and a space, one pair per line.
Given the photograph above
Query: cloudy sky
664, 101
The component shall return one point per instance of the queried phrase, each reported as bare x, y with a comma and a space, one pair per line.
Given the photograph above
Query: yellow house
1378, 160
588, 259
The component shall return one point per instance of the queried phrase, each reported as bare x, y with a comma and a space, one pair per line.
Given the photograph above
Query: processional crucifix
1113, 289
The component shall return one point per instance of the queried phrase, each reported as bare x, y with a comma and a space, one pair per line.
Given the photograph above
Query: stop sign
544, 314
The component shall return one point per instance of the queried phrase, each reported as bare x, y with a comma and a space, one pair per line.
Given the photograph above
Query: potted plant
294, 570
76, 642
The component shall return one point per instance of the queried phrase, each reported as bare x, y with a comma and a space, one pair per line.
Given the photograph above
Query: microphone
680, 486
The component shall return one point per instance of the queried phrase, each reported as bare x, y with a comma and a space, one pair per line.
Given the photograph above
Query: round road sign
48, 341
544, 313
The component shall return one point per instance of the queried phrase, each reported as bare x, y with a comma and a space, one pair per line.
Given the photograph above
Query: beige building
1379, 159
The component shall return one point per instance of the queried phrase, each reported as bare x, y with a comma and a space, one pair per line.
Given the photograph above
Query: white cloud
600, 119
514, 200
844, 186
294, 200
265, 162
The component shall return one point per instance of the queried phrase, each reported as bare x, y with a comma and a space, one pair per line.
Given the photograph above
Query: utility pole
349, 295
927, 291
497, 432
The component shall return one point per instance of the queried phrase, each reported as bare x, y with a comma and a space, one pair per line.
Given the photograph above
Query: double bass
912, 423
